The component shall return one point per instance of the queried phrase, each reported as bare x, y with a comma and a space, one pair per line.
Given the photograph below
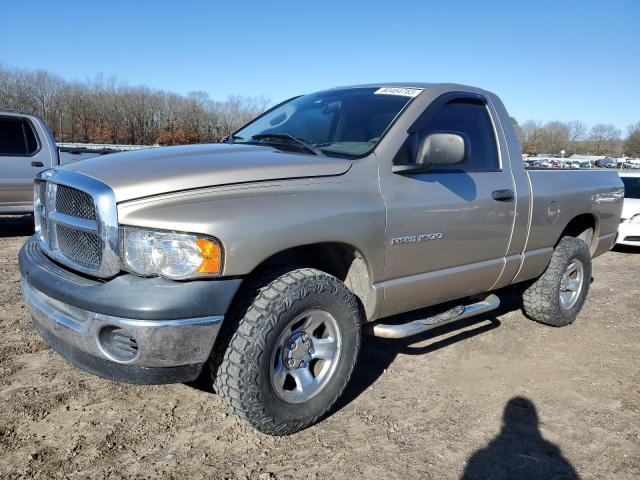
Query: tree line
576, 137
102, 110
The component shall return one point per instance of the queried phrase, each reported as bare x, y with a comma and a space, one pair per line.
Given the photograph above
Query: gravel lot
502, 397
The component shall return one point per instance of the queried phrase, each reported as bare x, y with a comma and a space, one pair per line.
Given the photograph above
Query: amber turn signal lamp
211, 256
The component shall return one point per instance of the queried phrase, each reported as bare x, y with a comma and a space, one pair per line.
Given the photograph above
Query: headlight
635, 219
168, 254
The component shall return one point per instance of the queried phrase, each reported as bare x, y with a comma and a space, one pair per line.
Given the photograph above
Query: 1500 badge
423, 237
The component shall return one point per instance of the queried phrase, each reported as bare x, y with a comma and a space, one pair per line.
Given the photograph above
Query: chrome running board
491, 302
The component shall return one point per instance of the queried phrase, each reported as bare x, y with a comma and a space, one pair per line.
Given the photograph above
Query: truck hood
155, 171
630, 207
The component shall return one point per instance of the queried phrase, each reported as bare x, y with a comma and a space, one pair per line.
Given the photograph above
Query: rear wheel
557, 297
289, 351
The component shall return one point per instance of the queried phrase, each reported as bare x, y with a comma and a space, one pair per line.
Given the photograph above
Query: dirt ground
501, 397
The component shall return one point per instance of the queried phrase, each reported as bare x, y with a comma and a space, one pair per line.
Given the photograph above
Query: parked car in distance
606, 163
569, 164
629, 229
632, 165
533, 164
26, 148
266, 257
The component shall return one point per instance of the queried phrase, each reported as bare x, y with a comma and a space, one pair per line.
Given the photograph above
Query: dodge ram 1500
260, 261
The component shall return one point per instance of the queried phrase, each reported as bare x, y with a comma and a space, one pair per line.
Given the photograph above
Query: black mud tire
542, 299
241, 360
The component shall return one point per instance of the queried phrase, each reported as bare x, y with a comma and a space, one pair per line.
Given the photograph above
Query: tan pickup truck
260, 261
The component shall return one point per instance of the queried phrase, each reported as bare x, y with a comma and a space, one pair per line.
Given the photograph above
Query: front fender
256, 221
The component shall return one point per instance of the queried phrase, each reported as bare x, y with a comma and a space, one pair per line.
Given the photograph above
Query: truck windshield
345, 122
631, 187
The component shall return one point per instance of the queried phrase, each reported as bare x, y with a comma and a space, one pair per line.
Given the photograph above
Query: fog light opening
118, 344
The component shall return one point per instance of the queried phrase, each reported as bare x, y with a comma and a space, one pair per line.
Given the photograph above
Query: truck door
449, 227
21, 158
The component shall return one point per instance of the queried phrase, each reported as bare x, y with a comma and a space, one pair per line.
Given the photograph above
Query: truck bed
558, 196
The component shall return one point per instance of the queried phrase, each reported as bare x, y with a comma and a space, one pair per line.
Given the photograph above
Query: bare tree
555, 137
603, 138
632, 143
6, 87
42, 89
531, 134
518, 130
577, 131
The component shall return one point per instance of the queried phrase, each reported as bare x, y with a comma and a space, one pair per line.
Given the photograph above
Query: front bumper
629, 234
159, 345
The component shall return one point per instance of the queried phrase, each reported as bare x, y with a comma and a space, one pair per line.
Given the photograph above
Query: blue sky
562, 59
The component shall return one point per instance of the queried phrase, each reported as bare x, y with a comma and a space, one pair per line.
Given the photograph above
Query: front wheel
289, 352
558, 295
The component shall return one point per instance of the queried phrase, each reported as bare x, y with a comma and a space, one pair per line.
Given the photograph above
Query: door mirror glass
443, 149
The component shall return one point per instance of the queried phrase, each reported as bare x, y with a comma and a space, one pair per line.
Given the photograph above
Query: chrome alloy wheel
305, 356
571, 284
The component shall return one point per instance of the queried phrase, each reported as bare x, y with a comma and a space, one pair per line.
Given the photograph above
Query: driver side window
465, 116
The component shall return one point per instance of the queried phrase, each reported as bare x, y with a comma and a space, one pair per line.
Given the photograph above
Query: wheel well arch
585, 227
342, 260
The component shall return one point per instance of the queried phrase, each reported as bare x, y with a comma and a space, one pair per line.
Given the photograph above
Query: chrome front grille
82, 247
76, 222
74, 202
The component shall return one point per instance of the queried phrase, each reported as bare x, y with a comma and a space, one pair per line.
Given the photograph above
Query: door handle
505, 195
37, 164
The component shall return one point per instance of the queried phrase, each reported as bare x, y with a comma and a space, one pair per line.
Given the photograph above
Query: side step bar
491, 302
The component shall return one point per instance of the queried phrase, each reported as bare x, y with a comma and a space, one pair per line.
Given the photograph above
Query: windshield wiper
230, 138
285, 136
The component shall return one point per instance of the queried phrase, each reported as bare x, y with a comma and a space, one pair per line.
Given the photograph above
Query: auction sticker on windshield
404, 92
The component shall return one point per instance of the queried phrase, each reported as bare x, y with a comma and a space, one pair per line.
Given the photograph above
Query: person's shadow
519, 451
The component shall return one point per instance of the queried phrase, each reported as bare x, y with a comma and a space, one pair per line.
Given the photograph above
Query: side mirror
442, 149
